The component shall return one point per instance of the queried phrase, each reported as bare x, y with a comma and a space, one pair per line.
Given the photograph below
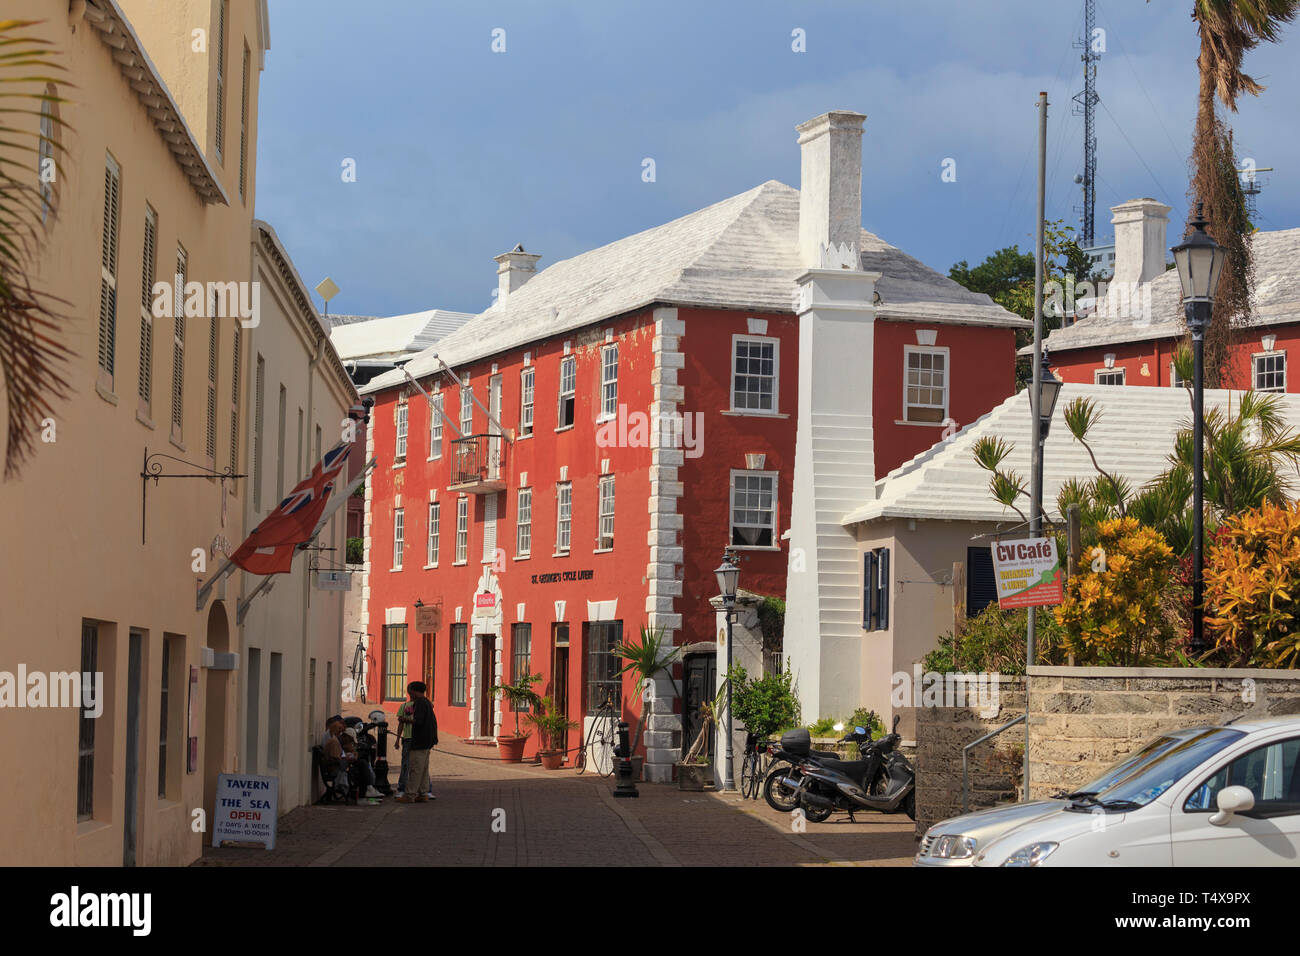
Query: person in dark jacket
424, 736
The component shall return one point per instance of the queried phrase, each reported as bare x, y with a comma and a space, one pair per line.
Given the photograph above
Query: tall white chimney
1140, 246
514, 268
830, 187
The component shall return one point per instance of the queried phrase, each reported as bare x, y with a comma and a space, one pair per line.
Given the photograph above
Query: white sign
334, 580
246, 810
1028, 572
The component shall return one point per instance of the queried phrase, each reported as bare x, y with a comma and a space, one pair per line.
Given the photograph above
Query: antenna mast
1084, 104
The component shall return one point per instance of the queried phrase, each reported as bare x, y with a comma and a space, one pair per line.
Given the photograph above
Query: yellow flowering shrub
1252, 587
1111, 614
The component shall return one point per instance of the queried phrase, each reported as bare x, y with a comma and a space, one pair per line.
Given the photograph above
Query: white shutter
489, 528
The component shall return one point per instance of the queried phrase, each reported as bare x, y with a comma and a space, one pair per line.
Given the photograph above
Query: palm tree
30, 350
1228, 29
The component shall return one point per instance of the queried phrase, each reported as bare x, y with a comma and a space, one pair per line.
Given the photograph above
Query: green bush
868, 720
993, 642
824, 727
765, 704
356, 551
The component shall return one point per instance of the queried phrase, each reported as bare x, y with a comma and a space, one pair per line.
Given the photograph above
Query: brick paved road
558, 818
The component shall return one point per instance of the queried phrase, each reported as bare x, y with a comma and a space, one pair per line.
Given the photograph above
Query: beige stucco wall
73, 519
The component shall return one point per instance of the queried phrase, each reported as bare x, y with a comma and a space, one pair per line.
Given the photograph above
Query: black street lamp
1200, 261
1049, 390
728, 577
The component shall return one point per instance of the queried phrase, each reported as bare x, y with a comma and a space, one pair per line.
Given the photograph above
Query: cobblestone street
558, 818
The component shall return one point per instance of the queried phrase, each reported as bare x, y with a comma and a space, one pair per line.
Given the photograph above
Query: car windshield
1137, 780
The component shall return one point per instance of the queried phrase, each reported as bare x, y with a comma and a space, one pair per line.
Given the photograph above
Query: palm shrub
652, 656
1252, 587
521, 696
551, 724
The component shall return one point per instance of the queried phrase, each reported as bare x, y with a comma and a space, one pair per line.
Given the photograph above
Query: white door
1267, 835
494, 444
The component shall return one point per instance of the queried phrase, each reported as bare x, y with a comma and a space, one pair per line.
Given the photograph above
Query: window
563, 516
258, 403
1270, 372
605, 527
521, 643
219, 134
1108, 376
568, 391
430, 649
210, 423
238, 354
274, 692
875, 590
435, 531
524, 523
399, 531
603, 681
108, 267
147, 272
86, 727
435, 427
609, 381
462, 530
399, 451
253, 709
243, 128
753, 374
394, 662
178, 343
925, 394
459, 642
466, 411
1271, 773
981, 585
279, 463
753, 509
526, 402
1175, 380
163, 701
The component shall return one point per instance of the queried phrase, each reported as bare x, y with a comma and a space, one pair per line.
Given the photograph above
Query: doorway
131, 812
487, 668
560, 677
700, 682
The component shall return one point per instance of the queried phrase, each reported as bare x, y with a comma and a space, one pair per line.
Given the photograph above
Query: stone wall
995, 765
1083, 719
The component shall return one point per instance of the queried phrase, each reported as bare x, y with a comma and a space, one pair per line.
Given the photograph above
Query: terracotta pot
512, 748
552, 759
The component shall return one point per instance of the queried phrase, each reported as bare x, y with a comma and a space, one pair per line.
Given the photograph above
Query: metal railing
477, 459
965, 760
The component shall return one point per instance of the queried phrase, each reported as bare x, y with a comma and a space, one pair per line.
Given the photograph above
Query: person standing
424, 736
404, 721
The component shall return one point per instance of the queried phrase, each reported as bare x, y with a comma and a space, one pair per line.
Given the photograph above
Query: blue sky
462, 152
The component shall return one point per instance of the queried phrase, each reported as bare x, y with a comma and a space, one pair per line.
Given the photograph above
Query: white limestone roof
1133, 438
740, 253
394, 336
1275, 301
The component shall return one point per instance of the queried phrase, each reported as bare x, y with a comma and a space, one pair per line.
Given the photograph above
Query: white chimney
830, 189
1140, 246
514, 268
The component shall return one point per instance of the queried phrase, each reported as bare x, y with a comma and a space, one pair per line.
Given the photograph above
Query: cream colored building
101, 565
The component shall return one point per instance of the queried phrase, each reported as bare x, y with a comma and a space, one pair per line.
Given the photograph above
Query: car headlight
1031, 855
953, 847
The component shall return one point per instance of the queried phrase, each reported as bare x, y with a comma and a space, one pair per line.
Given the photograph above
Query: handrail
965, 760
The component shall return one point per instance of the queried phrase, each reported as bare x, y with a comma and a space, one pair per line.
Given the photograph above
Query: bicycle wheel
603, 759
749, 781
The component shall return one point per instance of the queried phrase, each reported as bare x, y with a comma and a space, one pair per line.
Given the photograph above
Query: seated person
364, 772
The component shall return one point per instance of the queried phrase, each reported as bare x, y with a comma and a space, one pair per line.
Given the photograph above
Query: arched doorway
216, 691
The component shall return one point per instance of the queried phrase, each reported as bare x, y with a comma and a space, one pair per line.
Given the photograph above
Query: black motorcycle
882, 780
373, 747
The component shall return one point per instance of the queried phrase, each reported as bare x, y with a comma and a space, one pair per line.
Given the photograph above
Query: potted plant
551, 728
693, 772
521, 696
645, 660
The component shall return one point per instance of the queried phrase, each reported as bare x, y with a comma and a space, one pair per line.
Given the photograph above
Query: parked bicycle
600, 741
755, 766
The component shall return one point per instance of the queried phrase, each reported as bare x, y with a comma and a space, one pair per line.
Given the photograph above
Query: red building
1139, 324
590, 446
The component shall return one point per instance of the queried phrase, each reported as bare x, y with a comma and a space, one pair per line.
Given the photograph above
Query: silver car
954, 842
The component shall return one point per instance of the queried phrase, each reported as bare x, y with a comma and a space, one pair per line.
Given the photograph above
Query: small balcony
478, 464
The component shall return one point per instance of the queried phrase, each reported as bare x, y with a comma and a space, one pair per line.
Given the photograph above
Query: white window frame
526, 401
524, 523
435, 427
563, 517
1174, 380
462, 530
399, 537
1098, 374
435, 534
775, 478
466, 411
608, 383
605, 515
1255, 359
568, 363
908, 352
736, 341
399, 443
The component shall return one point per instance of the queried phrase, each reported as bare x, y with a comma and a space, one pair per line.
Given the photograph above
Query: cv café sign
1028, 572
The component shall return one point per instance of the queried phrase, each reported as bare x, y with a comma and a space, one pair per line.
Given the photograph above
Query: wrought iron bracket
153, 468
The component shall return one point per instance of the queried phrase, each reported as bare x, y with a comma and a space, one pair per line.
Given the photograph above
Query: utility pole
1036, 466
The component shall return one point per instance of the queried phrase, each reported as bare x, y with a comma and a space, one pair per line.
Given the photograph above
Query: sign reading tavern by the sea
554, 577
246, 810
1028, 572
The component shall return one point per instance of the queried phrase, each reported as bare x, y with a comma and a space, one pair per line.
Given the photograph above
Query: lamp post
1200, 260
1047, 389
728, 576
